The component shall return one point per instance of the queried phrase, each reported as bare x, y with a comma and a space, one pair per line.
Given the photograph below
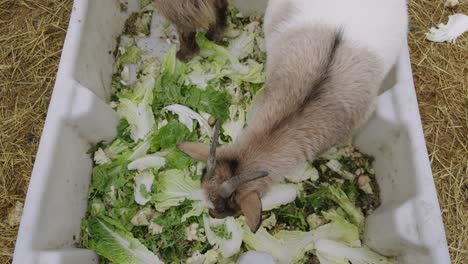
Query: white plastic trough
408, 225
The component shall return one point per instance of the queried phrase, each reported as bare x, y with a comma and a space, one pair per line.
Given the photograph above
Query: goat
188, 16
325, 63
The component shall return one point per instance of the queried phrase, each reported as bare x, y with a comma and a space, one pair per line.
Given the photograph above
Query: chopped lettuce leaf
243, 45
140, 150
139, 116
210, 101
236, 122
135, 108
153, 161
340, 197
107, 238
174, 186
198, 207
171, 134
131, 56
143, 23
201, 74
168, 88
334, 252
186, 117
227, 246
100, 157
304, 171
179, 160
279, 194
291, 246
142, 217
142, 190
250, 72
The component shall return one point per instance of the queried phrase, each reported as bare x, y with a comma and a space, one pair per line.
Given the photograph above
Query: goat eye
203, 174
221, 208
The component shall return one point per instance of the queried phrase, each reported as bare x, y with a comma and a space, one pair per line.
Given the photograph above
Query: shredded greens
145, 202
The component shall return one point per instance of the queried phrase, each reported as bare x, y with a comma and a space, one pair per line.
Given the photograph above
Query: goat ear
198, 151
251, 207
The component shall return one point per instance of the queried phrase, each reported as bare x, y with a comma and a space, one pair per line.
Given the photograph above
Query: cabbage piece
252, 257
174, 186
236, 122
252, 72
232, 68
110, 240
243, 45
143, 23
201, 74
135, 108
340, 197
117, 149
279, 194
186, 117
210, 100
281, 251
337, 152
100, 157
457, 25
336, 166
139, 116
171, 134
291, 246
211, 257
227, 246
142, 190
200, 79
143, 217
169, 86
333, 252
154, 161
131, 55
302, 172
140, 150
151, 67
198, 208
270, 222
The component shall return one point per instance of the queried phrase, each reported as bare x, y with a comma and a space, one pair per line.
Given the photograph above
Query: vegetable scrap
146, 204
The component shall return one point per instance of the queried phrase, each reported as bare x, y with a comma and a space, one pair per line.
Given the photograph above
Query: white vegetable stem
186, 115
278, 195
143, 180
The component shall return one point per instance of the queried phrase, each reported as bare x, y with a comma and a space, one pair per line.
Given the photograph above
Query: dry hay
31, 37
440, 73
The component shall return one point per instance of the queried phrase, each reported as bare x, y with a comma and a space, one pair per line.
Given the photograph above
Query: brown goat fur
320, 89
188, 16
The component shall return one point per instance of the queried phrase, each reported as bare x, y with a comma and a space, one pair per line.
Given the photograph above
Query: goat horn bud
212, 155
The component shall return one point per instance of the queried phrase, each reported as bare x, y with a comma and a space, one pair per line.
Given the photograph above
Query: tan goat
325, 63
188, 16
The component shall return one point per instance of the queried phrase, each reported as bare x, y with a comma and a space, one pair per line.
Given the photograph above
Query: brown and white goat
188, 16
325, 63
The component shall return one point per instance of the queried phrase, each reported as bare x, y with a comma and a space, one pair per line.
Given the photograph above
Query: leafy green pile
145, 202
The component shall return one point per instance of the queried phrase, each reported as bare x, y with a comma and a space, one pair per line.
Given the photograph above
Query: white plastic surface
408, 225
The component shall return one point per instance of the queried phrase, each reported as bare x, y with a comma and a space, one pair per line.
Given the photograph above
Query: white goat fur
378, 25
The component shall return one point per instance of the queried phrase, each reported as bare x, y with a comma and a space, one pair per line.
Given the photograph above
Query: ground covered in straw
31, 38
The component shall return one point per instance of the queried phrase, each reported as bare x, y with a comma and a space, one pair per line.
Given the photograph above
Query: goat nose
212, 213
